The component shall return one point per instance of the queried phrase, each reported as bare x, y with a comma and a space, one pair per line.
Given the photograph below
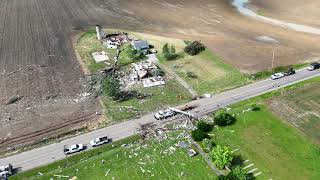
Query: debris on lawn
61, 176
142, 170
107, 172
192, 152
182, 144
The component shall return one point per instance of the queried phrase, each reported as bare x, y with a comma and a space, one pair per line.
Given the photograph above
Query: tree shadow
127, 95
237, 160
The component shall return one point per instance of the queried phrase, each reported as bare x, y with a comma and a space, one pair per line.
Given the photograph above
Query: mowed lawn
213, 74
151, 160
301, 108
156, 98
276, 148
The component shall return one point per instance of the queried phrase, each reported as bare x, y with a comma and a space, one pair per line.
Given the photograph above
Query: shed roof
139, 45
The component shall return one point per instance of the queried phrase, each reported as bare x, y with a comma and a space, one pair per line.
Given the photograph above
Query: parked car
164, 114
313, 66
73, 149
100, 141
290, 72
277, 76
6, 171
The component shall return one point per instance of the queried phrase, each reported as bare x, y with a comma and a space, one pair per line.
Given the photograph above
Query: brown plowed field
37, 60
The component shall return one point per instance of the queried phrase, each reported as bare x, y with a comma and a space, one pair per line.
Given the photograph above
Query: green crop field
150, 160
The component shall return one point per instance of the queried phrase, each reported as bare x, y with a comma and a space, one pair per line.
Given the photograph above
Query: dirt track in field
38, 63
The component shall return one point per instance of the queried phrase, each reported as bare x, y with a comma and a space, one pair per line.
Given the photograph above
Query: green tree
221, 118
221, 156
198, 135
111, 87
194, 48
203, 126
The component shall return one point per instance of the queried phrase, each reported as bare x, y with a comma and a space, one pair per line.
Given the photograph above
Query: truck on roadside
73, 149
100, 141
164, 114
313, 66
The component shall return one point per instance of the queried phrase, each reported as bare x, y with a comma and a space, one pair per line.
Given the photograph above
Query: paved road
50, 153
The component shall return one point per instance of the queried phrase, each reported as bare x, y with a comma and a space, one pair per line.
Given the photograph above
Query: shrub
203, 126
221, 156
255, 107
237, 173
170, 57
198, 135
221, 118
191, 74
194, 48
169, 53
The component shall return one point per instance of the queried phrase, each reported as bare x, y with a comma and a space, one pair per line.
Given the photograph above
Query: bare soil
295, 11
37, 60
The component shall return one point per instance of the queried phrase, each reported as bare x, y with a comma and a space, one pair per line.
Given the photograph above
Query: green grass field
213, 74
151, 160
157, 98
278, 149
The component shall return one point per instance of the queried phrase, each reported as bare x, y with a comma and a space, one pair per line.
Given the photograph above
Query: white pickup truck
6, 171
100, 141
164, 114
73, 149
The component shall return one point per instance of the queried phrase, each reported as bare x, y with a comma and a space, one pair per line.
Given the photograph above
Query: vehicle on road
290, 72
100, 141
277, 76
6, 171
73, 149
313, 66
164, 114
